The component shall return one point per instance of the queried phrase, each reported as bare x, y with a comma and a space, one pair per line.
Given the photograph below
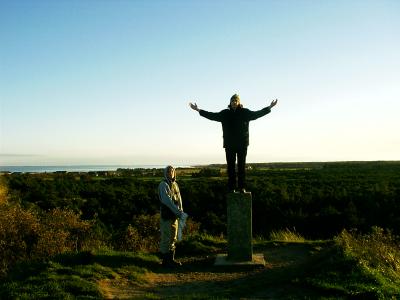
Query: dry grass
378, 251
286, 235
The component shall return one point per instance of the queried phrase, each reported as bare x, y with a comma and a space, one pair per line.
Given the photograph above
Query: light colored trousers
169, 234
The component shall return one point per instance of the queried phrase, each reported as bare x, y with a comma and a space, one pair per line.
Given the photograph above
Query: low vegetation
74, 276
318, 199
362, 266
336, 269
63, 236
286, 235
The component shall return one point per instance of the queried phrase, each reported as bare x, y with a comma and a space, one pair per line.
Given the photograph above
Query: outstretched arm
253, 115
206, 114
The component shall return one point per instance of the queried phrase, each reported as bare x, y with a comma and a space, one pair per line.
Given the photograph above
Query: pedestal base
223, 261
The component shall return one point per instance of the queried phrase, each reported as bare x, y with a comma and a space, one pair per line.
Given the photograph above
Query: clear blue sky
108, 82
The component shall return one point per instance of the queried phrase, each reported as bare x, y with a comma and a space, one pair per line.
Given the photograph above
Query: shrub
144, 233
18, 235
25, 234
62, 230
191, 228
128, 240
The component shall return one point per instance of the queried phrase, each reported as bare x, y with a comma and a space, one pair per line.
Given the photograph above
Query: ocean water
74, 168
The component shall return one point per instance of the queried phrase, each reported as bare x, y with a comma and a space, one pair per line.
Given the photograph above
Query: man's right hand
194, 106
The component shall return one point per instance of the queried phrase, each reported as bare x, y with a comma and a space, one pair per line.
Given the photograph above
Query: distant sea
75, 168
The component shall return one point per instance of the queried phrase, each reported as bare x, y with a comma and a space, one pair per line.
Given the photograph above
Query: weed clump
377, 253
365, 266
286, 235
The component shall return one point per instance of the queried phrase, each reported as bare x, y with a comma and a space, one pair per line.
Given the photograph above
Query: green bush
62, 230
18, 235
26, 234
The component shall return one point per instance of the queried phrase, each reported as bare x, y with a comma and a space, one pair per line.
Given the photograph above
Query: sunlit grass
378, 253
286, 235
359, 265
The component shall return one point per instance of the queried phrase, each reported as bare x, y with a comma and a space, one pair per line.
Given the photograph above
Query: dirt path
198, 277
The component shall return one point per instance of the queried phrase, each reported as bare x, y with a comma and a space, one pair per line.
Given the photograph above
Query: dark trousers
231, 154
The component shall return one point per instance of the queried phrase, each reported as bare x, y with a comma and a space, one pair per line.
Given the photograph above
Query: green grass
199, 244
287, 235
364, 266
73, 276
350, 266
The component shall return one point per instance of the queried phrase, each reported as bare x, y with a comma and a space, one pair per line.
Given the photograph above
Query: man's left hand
273, 103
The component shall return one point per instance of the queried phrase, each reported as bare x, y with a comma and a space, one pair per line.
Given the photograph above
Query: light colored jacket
170, 198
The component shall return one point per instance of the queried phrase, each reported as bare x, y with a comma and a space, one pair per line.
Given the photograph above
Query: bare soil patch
199, 277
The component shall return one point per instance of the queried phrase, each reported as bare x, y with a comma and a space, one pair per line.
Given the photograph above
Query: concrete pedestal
240, 234
239, 215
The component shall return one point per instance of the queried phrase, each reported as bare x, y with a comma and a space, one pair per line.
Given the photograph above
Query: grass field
295, 269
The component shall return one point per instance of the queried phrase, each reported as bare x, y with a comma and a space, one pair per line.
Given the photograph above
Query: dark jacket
235, 124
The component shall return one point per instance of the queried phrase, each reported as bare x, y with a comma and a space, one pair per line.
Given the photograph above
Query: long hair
235, 96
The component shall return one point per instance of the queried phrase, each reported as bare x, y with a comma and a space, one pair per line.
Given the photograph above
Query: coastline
73, 168
111, 168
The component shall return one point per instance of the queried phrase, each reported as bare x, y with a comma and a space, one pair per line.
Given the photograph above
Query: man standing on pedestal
235, 126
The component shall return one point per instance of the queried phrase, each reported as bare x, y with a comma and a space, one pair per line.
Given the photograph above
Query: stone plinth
256, 261
239, 215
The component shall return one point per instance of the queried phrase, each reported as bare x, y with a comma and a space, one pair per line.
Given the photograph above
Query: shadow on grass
111, 259
23, 270
279, 279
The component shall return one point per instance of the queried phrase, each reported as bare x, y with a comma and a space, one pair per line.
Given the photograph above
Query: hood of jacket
169, 180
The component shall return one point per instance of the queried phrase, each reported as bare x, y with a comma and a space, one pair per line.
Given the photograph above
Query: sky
109, 82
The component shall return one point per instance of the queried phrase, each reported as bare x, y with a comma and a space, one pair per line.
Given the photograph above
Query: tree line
317, 200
